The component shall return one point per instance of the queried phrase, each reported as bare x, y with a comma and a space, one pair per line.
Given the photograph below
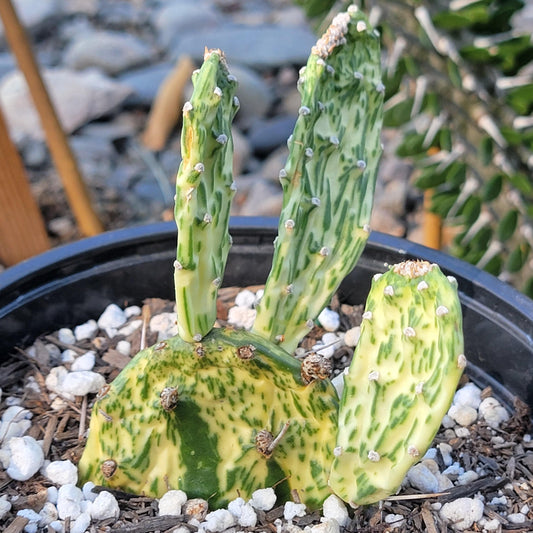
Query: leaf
411, 145
522, 183
521, 99
518, 257
399, 114
507, 225
430, 178
495, 265
471, 210
445, 139
485, 150
443, 201
463, 18
493, 188
456, 174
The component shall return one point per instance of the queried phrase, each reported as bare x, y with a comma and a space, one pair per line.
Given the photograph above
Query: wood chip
427, 517
115, 358
49, 434
155, 523
17, 526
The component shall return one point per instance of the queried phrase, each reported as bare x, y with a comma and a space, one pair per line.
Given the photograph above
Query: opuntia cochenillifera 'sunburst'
401, 381
328, 181
204, 189
220, 413
204, 418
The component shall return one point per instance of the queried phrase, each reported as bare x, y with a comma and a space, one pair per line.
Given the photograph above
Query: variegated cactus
220, 413
401, 382
204, 189
328, 181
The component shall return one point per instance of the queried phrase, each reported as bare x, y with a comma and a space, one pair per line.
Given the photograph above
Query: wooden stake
65, 163
22, 230
432, 224
166, 109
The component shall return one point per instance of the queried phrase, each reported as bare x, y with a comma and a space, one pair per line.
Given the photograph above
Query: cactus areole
219, 413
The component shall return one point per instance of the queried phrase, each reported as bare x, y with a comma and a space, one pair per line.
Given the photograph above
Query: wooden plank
64, 160
22, 230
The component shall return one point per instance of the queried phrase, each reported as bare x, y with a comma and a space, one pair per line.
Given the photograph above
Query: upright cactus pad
204, 189
202, 418
328, 181
401, 382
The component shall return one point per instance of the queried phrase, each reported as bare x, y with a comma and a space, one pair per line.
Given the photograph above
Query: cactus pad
204, 189
202, 417
401, 381
328, 181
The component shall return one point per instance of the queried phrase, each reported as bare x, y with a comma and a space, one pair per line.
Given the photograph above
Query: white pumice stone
243, 512
124, 347
66, 335
248, 516
462, 433
463, 415
490, 525
332, 339
87, 490
258, 296
462, 513
86, 330
128, 329
171, 503
55, 378
241, 317
421, 477
292, 510
68, 356
446, 453
333, 507
351, 337
69, 498
104, 506
245, 298
469, 395
165, 325
327, 525
431, 453
51, 494
112, 319
447, 422
263, 499
26, 458
338, 383
329, 319
5, 506
48, 514
493, 412
455, 469
395, 520
33, 518
12, 417
61, 472
132, 310
82, 383
468, 477
499, 500
84, 362
324, 350
81, 523
219, 520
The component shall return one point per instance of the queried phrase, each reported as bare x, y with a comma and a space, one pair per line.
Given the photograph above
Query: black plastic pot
73, 283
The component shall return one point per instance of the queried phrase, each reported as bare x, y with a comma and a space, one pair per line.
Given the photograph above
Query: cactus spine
400, 384
328, 181
202, 418
204, 189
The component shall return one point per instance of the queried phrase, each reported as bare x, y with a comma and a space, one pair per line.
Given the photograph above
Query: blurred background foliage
459, 90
